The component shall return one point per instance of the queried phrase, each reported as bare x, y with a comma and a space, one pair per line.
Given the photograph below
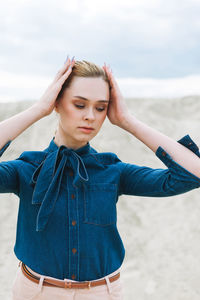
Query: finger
71, 65
108, 69
66, 74
66, 59
109, 74
113, 83
63, 69
105, 67
70, 61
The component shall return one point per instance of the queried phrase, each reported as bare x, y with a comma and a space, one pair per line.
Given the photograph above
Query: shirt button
73, 196
190, 144
73, 223
74, 250
163, 153
71, 173
73, 276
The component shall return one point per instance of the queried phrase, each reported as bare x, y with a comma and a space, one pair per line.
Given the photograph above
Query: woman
67, 240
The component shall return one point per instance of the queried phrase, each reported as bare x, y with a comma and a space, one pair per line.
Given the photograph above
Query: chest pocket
100, 204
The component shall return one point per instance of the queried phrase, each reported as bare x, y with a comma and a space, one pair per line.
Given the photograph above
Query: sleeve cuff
185, 141
163, 156
4, 147
190, 144
170, 163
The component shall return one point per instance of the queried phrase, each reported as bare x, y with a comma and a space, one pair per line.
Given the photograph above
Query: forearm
153, 139
15, 125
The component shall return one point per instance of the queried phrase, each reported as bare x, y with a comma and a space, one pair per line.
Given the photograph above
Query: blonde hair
84, 69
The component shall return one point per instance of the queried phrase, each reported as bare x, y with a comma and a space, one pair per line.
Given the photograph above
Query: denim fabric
67, 218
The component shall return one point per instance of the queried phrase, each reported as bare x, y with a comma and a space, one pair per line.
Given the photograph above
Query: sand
161, 235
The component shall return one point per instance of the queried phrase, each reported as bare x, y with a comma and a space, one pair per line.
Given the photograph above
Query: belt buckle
69, 284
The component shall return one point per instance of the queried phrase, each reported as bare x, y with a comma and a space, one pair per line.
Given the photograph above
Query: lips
87, 128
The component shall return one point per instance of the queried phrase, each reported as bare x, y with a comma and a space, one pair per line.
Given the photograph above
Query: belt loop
108, 284
41, 283
89, 285
68, 284
39, 287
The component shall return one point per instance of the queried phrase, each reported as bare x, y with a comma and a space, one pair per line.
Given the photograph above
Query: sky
152, 46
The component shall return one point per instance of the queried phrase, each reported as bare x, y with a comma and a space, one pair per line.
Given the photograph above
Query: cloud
15, 88
140, 38
160, 88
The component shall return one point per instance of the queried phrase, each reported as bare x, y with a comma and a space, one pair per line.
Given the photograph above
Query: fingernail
66, 58
72, 58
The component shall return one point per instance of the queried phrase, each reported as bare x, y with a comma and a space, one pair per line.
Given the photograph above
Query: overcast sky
151, 45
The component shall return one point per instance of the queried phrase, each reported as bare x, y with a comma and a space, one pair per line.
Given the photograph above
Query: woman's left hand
118, 112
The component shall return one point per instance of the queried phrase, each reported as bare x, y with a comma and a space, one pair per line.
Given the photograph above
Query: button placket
71, 173
74, 250
73, 276
73, 233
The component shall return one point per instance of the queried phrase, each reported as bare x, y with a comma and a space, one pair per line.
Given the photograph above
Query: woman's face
83, 104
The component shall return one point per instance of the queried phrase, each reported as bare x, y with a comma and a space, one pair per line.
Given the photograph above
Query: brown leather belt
66, 284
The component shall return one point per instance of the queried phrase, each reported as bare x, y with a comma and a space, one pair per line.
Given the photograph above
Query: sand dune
161, 235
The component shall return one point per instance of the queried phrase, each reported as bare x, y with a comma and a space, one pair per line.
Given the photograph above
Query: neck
61, 139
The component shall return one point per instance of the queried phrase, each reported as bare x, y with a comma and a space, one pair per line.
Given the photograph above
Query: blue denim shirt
67, 218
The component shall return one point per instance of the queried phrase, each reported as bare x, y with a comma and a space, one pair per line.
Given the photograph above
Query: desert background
161, 235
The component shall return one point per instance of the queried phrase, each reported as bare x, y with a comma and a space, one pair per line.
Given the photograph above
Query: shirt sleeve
9, 181
149, 182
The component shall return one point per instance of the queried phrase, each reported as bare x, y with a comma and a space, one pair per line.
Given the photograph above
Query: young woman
67, 241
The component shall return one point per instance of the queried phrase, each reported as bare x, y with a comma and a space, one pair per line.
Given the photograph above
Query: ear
56, 106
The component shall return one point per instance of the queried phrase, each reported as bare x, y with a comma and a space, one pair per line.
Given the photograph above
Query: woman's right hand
48, 99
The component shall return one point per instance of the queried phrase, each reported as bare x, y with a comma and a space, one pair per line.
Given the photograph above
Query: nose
89, 115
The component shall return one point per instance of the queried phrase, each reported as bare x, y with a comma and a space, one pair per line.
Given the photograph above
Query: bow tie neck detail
47, 179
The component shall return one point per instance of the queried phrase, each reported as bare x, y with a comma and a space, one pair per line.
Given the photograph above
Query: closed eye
98, 108
80, 106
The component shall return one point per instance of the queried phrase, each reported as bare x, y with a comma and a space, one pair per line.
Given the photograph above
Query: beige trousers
25, 289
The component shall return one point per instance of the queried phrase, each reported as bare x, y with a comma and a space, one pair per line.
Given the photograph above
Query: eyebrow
83, 98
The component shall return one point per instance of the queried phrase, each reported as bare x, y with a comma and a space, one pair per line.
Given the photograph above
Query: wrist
128, 122
40, 110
